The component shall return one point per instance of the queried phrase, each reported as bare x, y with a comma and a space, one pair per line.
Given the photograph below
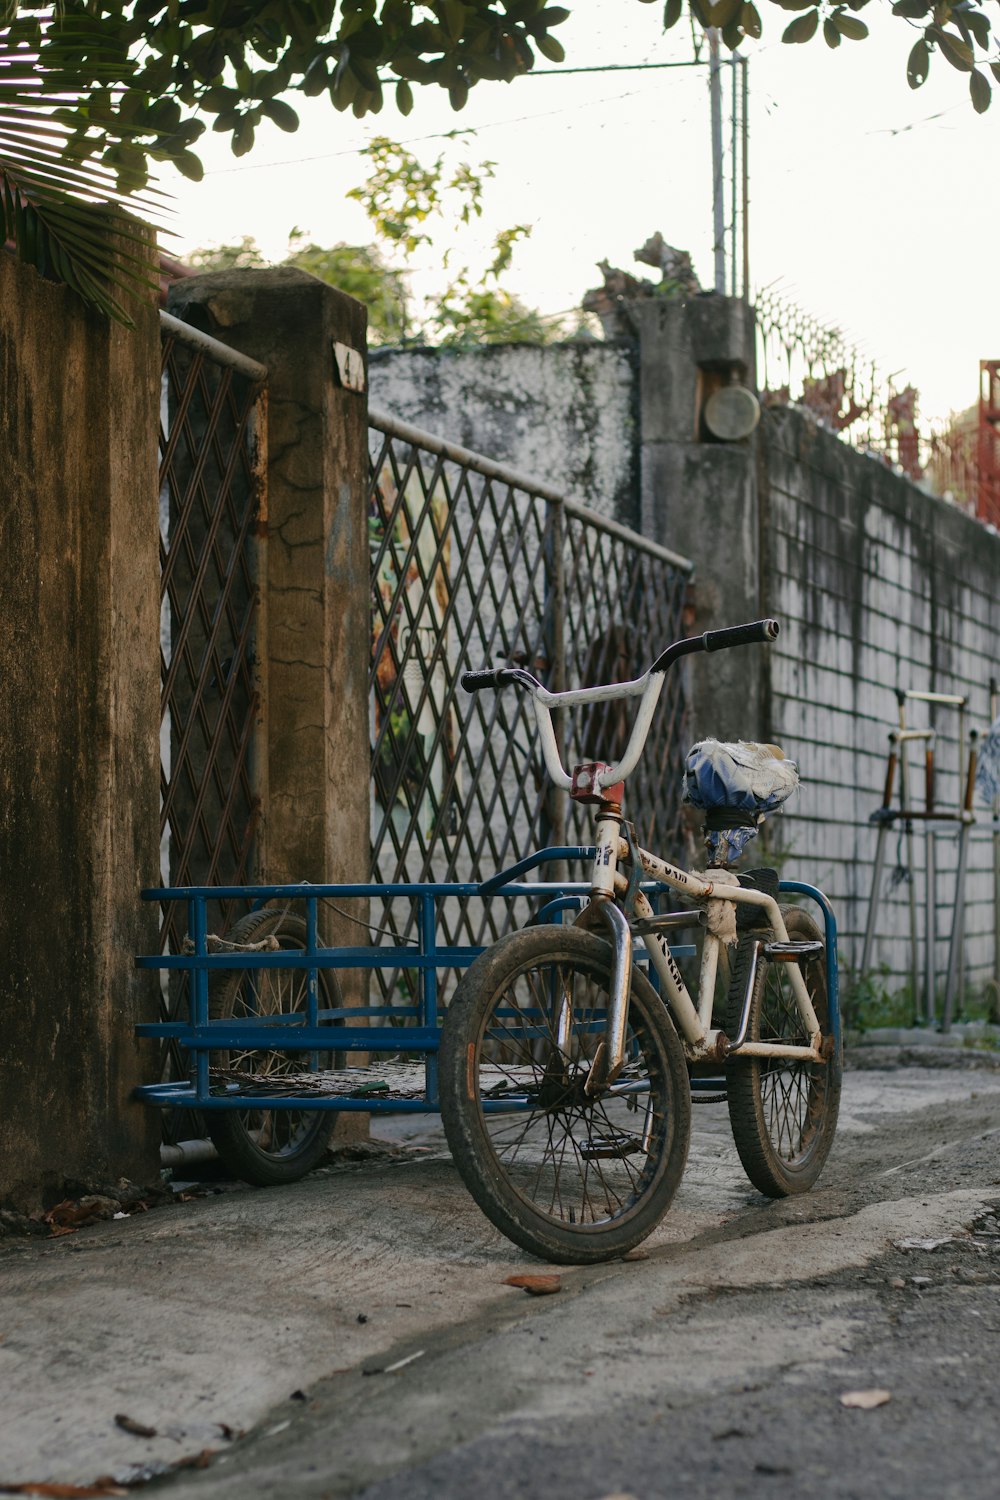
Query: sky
872, 206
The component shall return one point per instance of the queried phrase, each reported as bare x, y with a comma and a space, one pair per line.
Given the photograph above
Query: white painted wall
565, 413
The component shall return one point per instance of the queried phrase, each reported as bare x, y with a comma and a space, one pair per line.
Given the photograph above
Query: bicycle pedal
792, 952
600, 1147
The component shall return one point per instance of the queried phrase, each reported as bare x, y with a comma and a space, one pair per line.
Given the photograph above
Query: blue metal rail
309, 1031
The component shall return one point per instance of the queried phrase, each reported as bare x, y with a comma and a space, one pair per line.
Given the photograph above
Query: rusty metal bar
488, 467
220, 354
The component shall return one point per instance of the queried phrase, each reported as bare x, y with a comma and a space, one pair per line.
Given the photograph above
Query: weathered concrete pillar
699, 494
79, 720
316, 822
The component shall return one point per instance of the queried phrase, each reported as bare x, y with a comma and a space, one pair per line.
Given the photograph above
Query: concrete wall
565, 414
879, 586
79, 710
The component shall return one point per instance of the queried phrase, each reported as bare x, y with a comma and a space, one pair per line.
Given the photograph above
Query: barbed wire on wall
807, 362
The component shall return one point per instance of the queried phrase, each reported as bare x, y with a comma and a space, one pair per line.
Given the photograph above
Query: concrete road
356, 1328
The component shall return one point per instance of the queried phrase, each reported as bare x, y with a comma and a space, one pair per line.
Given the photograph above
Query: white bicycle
565, 1075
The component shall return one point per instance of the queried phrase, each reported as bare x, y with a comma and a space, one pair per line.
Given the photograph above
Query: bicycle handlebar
718, 640
647, 686
741, 635
474, 682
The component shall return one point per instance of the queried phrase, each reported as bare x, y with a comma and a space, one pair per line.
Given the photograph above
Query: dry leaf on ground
538, 1286
73, 1213
64, 1491
129, 1424
195, 1460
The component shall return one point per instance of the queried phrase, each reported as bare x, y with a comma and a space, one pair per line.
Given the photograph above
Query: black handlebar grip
474, 682
740, 635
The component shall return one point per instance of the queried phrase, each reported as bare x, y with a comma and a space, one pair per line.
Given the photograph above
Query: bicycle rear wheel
783, 1112
570, 1177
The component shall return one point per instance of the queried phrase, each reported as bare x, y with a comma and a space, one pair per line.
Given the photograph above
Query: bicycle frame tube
693, 1021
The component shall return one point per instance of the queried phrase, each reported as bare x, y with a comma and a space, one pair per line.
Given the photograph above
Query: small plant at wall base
868, 1002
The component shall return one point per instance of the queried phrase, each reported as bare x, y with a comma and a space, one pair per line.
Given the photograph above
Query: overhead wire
457, 131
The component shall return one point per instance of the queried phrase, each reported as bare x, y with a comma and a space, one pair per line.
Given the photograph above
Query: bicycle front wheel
783, 1111
573, 1178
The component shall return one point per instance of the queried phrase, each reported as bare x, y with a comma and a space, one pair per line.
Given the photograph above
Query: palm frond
70, 218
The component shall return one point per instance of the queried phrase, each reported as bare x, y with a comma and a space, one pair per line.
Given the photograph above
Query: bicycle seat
736, 785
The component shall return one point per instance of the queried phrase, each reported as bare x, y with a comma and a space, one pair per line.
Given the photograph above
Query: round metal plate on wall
731, 413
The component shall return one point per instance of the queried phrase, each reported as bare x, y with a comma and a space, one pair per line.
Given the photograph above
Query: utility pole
718, 201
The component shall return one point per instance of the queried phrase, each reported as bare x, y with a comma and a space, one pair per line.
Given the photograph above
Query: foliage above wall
413, 208
113, 86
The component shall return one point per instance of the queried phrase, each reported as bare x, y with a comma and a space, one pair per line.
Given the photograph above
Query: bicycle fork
610, 1057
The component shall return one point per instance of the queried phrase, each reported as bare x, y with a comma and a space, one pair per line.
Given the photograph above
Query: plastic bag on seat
736, 785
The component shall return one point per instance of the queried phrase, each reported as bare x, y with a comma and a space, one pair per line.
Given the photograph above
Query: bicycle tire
569, 1179
783, 1112
269, 1147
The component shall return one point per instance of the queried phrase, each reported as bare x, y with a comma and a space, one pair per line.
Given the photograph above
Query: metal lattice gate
475, 565
212, 494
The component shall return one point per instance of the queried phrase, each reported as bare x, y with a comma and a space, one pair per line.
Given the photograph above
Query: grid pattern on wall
879, 587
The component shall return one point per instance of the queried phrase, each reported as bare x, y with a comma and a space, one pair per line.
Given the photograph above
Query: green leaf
958, 53
802, 28
913, 10
344, 89
979, 25
282, 114
404, 97
365, 72
750, 21
721, 12
830, 33
918, 64
189, 165
995, 70
550, 48
243, 136
850, 26
672, 13
453, 14
315, 79
980, 91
